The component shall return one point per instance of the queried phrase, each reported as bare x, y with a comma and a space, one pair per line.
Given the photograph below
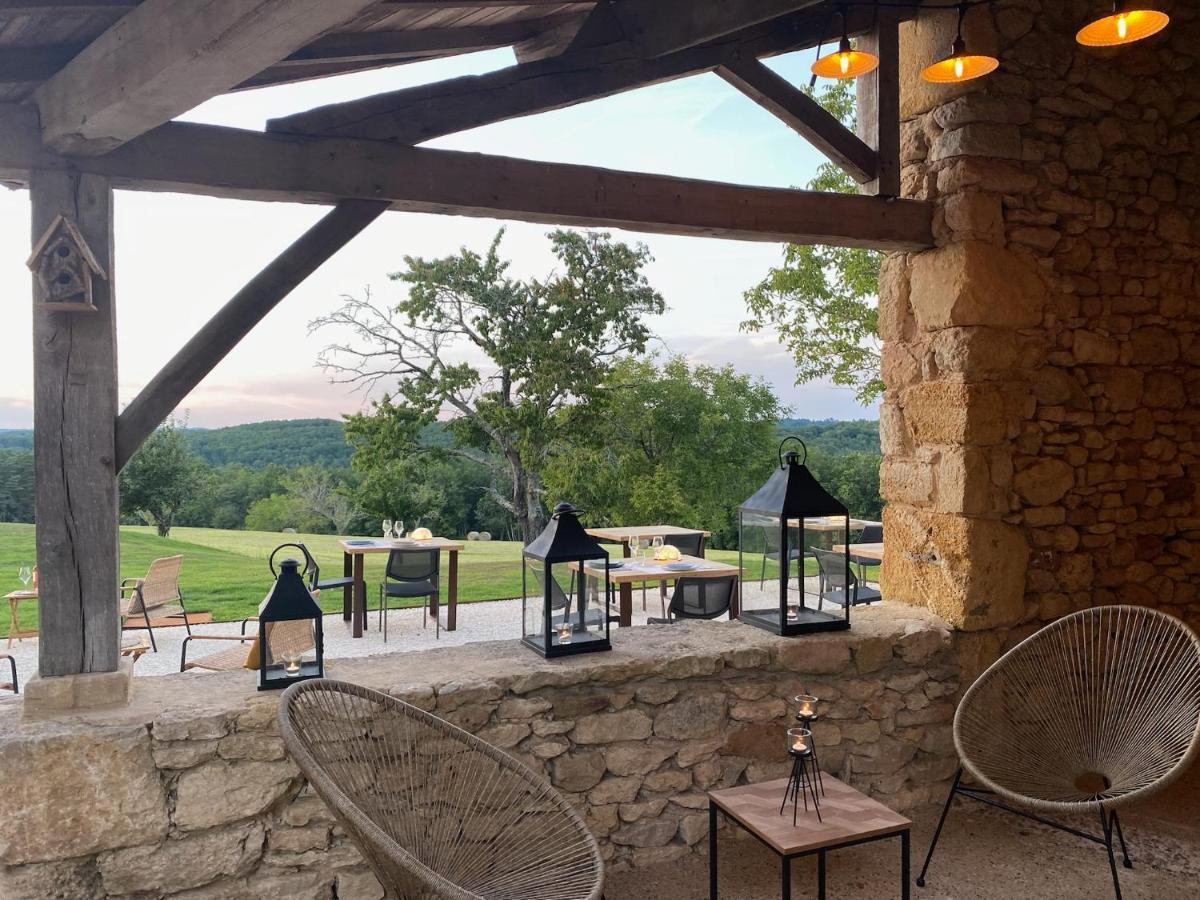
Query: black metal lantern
794, 523
290, 640
565, 589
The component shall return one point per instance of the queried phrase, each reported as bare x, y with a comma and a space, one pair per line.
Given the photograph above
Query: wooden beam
658, 27
481, 4
417, 114
365, 45
74, 410
248, 165
879, 104
235, 319
29, 65
553, 40
37, 7
803, 115
155, 63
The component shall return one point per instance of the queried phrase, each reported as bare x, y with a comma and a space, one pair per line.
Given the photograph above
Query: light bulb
958, 67
844, 62
1122, 26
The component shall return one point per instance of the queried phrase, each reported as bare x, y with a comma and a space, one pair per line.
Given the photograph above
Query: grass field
225, 572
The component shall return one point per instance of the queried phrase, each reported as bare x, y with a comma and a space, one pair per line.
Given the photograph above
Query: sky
180, 258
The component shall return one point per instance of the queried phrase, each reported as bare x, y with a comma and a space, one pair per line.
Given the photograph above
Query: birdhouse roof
61, 221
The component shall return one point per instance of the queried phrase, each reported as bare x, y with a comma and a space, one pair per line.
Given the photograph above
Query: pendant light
960, 65
845, 62
1124, 26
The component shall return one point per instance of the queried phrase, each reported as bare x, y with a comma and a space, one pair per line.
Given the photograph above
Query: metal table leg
712, 851
905, 878
821, 875
785, 878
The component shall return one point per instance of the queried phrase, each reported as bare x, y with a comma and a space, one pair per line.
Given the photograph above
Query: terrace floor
984, 854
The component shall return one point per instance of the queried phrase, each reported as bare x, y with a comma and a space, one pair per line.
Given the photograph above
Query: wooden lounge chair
435, 811
157, 593
244, 652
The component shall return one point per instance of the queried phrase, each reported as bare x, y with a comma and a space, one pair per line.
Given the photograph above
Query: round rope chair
435, 811
1094, 711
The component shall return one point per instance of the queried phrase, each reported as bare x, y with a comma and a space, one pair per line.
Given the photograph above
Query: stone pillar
75, 406
1038, 429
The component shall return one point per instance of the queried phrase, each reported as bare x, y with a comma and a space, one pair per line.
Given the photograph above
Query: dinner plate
360, 543
680, 566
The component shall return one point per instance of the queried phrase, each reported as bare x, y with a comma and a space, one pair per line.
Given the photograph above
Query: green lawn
225, 572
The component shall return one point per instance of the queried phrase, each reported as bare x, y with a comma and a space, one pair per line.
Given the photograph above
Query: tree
280, 511
547, 346
822, 300
160, 478
670, 443
322, 495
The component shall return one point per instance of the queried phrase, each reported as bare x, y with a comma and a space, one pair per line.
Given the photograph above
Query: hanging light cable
845, 62
1124, 26
960, 65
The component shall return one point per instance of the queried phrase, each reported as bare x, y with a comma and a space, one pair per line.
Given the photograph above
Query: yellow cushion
252, 656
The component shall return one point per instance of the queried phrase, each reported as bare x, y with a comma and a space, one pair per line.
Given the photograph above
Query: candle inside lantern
799, 741
793, 612
291, 662
806, 706
564, 633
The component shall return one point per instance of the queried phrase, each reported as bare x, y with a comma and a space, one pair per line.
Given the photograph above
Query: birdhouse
63, 266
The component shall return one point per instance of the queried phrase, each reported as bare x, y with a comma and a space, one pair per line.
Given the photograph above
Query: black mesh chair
833, 585
410, 574
316, 583
871, 534
699, 598
691, 544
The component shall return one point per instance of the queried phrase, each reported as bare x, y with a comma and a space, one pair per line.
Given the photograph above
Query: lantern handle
803, 447
303, 551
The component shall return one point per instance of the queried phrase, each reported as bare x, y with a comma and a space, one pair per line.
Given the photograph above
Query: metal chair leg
1107, 825
12, 663
1121, 837
938, 831
150, 628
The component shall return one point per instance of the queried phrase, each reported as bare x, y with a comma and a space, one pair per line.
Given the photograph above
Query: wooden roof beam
417, 114
248, 165
155, 63
657, 27
37, 7
382, 45
803, 115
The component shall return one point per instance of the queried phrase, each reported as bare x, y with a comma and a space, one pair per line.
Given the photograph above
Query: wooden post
75, 409
879, 104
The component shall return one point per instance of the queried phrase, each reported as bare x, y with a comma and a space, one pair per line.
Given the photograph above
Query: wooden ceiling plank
879, 104
803, 115
358, 46
657, 27
34, 7
139, 74
32, 64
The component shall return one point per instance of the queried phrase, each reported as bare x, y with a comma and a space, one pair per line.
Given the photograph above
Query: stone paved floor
983, 855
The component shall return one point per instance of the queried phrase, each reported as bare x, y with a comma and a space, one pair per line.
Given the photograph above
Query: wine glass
657, 544
399, 529
387, 528
25, 573
635, 547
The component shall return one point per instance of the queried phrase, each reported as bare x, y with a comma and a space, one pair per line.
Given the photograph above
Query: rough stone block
975, 283
186, 862
247, 788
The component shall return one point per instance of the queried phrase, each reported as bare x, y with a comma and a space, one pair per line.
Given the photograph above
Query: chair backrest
413, 565
1113, 690
558, 597
435, 811
702, 598
872, 533
687, 544
161, 584
833, 569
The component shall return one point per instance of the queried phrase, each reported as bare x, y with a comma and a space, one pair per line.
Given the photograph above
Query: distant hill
834, 437
294, 442
16, 438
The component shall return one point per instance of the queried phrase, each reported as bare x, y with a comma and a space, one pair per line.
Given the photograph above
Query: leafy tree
851, 477
283, 510
822, 300
325, 496
16, 486
547, 346
670, 443
160, 478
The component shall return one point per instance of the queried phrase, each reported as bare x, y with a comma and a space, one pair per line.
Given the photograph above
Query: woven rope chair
435, 811
1094, 711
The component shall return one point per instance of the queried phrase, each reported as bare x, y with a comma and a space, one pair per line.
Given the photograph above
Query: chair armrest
133, 582
131, 588
248, 619
207, 637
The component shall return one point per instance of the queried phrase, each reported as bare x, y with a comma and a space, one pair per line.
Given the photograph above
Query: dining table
623, 534
630, 571
354, 553
870, 550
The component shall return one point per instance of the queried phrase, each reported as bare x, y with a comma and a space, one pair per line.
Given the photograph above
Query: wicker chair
1094, 711
157, 593
435, 811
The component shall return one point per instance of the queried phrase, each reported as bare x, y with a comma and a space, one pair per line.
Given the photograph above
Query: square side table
849, 817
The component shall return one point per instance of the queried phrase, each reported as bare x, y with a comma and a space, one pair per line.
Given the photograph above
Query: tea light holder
564, 633
802, 782
806, 714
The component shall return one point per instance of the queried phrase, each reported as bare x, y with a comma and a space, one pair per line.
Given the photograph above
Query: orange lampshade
959, 66
1124, 26
845, 62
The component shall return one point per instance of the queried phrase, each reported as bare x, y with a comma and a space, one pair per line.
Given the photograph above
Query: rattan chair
435, 811
1094, 711
157, 593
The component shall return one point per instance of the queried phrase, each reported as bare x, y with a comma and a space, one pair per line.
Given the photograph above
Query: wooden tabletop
870, 551
827, 523
656, 570
386, 545
623, 533
846, 814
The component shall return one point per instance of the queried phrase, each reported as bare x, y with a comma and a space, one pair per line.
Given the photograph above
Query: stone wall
1040, 427
187, 792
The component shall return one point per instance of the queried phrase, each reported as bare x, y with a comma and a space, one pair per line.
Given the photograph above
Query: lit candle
806, 706
564, 633
793, 612
291, 663
799, 741
798, 744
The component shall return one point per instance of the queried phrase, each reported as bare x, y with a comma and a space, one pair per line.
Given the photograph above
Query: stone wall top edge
681, 651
